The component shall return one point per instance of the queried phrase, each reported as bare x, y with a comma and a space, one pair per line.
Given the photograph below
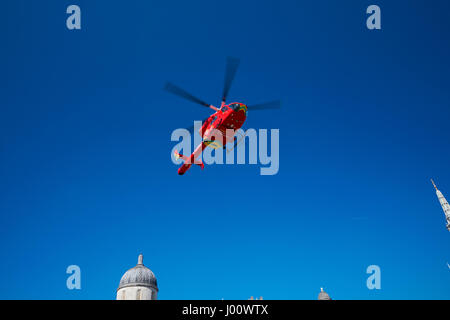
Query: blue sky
85, 170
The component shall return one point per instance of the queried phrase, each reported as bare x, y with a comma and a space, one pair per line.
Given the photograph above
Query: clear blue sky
85, 170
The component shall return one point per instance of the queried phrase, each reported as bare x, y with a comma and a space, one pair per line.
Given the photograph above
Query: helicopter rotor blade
265, 106
230, 72
184, 94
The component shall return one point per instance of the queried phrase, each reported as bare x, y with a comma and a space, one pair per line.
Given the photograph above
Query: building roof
137, 276
323, 295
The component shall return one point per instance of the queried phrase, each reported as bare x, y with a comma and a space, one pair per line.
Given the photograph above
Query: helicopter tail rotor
188, 161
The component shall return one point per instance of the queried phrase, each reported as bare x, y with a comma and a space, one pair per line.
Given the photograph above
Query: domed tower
138, 283
323, 295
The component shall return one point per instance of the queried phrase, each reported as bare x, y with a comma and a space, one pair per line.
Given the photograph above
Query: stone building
323, 295
444, 204
138, 283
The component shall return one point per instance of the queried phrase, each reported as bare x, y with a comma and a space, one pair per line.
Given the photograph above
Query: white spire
444, 204
141, 259
434, 185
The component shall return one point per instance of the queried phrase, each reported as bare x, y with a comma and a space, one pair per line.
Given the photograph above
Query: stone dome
323, 295
139, 275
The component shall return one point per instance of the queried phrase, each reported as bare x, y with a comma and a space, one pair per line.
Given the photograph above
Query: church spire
444, 204
434, 185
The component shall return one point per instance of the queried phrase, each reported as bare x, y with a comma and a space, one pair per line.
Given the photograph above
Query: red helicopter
223, 123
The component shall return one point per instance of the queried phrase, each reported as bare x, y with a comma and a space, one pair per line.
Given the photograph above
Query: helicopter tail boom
188, 161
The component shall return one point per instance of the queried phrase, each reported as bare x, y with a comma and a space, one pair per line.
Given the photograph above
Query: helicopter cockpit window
235, 106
